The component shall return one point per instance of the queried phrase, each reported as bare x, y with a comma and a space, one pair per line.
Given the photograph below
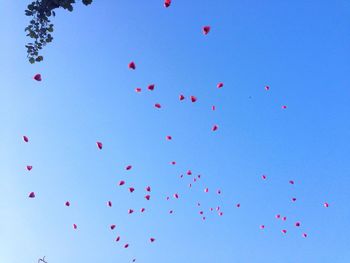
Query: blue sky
299, 48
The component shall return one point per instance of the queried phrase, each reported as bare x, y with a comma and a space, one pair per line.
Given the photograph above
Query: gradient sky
301, 49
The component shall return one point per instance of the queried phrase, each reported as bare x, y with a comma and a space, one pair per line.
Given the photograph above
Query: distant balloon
37, 77
132, 65
167, 3
206, 30
99, 145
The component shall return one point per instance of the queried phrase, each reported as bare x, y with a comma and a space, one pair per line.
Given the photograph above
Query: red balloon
167, 3
220, 85
37, 77
99, 145
206, 30
132, 65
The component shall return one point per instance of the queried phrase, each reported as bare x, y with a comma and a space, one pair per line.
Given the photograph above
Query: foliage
40, 27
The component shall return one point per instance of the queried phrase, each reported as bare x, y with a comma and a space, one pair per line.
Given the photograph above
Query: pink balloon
148, 189
25, 139
215, 127
157, 105
29, 167
193, 98
112, 227
151, 87
181, 97
131, 189
121, 182
67, 203
148, 197
31, 195
138, 90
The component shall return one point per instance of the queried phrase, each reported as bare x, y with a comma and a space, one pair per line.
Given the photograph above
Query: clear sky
301, 49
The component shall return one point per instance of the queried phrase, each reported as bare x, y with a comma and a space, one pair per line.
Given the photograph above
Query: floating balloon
206, 30
121, 182
167, 3
25, 139
31, 195
132, 65
99, 145
37, 77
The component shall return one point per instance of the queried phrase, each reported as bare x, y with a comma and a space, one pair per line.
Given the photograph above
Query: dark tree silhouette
40, 27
